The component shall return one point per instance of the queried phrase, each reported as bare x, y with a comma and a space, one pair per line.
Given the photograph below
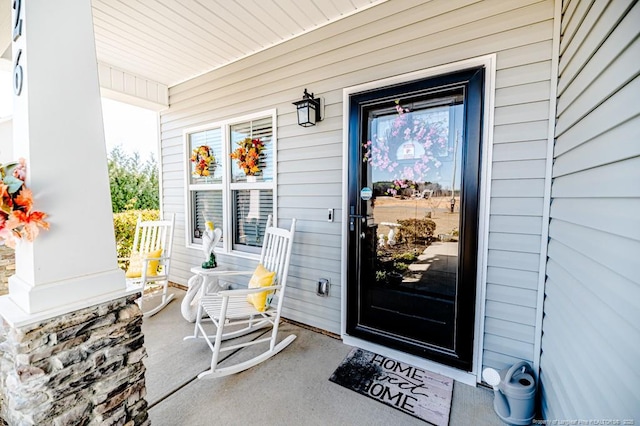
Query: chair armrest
161, 261
229, 273
245, 291
220, 272
147, 259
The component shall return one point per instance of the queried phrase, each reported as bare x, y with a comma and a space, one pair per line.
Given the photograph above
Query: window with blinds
236, 203
250, 211
206, 206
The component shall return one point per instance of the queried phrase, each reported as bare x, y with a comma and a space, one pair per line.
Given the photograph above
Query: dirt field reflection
392, 209
410, 254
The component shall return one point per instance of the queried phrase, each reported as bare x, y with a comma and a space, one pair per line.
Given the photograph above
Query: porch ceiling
170, 41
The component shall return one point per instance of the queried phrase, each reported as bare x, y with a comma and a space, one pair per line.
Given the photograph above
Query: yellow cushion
261, 278
135, 264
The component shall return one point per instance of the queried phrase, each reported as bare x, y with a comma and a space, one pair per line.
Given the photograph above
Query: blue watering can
514, 392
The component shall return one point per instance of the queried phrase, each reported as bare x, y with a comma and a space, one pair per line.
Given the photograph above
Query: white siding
393, 38
591, 340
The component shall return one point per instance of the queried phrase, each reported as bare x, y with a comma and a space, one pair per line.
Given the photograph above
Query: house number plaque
17, 32
17, 75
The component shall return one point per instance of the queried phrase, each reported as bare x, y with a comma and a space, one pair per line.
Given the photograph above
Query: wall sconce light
308, 110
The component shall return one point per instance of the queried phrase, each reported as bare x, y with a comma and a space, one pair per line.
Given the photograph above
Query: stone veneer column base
84, 367
7, 267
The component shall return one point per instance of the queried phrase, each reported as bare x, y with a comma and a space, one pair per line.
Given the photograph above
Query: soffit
171, 41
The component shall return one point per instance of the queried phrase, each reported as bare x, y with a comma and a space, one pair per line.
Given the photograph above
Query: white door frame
489, 63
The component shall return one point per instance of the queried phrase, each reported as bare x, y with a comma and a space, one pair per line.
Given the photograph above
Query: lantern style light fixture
308, 110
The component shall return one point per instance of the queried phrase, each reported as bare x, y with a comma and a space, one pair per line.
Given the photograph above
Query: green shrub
406, 257
400, 267
416, 231
134, 184
124, 225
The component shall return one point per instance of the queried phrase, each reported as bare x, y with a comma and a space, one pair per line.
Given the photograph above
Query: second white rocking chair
230, 307
150, 261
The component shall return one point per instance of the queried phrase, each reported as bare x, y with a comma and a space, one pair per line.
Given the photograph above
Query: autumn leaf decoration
17, 218
248, 155
202, 158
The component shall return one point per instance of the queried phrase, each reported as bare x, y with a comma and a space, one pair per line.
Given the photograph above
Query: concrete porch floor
292, 388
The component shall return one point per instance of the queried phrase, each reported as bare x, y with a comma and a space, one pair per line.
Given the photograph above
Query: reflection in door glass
413, 153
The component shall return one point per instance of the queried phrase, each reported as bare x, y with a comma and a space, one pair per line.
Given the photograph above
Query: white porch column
58, 128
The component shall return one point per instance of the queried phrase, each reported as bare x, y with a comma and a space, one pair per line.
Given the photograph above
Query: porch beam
132, 89
115, 83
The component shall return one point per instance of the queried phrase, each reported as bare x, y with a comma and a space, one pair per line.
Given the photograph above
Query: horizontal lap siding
523, 84
591, 319
393, 38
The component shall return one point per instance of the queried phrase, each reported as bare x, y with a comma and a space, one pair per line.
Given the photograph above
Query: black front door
414, 163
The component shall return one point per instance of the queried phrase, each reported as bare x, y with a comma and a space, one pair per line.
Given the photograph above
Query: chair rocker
150, 261
229, 308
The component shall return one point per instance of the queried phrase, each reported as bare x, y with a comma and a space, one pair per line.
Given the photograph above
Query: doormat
414, 391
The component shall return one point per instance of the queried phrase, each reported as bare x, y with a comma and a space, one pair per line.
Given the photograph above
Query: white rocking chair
151, 253
230, 308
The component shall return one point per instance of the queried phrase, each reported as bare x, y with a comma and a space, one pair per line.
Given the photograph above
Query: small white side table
210, 277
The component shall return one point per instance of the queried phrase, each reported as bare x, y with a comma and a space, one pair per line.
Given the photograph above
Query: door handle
353, 216
352, 221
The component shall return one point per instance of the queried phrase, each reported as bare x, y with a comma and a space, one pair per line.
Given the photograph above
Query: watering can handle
515, 367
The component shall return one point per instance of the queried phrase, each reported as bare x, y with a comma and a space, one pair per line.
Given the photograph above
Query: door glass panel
413, 155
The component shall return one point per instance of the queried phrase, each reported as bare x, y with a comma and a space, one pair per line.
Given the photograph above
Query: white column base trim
27, 303
468, 378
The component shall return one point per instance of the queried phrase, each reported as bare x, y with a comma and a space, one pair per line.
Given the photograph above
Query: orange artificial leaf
38, 219
25, 199
30, 223
8, 237
5, 197
15, 220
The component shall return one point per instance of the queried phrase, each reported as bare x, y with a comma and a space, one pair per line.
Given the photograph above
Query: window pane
257, 129
250, 210
213, 140
206, 205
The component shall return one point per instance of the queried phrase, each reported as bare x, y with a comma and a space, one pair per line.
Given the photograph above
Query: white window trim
226, 185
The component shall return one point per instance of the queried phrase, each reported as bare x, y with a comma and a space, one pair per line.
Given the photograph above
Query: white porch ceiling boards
171, 41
